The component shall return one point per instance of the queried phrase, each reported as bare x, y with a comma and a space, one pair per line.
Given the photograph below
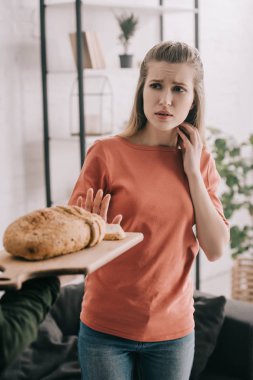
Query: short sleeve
94, 173
212, 183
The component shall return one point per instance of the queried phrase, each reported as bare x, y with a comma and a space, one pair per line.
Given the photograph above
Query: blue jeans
107, 357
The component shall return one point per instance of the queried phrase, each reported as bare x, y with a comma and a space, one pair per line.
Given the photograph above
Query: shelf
145, 8
95, 72
75, 138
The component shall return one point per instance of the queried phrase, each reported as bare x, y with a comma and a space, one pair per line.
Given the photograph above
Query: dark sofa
53, 356
232, 358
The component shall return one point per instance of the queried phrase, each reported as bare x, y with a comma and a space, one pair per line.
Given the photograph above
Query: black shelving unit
196, 37
44, 72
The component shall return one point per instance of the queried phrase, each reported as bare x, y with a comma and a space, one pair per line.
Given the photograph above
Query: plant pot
126, 60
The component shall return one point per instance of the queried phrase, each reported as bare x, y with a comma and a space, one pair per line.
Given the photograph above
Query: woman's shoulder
208, 167
103, 143
206, 157
207, 163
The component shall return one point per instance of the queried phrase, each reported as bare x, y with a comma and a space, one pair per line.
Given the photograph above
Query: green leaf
127, 23
236, 171
232, 180
235, 152
220, 144
237, 236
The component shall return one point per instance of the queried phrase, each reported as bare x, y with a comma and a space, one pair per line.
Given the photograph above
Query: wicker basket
242, 279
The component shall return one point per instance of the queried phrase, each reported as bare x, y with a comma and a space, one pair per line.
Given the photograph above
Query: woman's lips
163, 115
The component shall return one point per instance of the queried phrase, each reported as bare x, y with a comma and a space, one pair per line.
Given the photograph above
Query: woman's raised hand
98, 204
192, 148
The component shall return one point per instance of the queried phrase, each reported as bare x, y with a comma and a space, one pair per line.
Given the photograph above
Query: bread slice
101, 226
114, 232
95, 222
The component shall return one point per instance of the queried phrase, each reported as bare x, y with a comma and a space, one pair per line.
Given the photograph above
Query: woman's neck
152, 137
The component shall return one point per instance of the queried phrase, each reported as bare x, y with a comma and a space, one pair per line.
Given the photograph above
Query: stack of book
92, 54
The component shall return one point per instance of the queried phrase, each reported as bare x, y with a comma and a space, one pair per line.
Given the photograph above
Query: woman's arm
21, 312
212, 232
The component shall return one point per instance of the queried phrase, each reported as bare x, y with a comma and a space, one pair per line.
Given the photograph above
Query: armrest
233, 354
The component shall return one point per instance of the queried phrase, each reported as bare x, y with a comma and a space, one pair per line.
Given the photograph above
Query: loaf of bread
53, 231
57, 230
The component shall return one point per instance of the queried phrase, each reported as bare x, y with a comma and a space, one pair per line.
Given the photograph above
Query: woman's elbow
216, 248
216, 252
214, 256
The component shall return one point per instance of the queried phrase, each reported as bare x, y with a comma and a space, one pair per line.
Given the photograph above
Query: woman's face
168, 94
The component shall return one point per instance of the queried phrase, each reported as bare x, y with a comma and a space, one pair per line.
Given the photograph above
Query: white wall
226, 33
225, 42
226, 46
21, 164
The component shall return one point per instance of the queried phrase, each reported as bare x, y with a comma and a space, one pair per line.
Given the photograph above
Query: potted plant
127, 23
234, 163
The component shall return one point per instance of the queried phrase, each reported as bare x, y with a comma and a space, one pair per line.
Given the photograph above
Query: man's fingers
89, 200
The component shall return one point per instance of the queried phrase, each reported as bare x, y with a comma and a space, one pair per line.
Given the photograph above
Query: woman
157, 175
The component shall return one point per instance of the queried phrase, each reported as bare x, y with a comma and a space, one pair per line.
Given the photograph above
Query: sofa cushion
209, 317
233, 354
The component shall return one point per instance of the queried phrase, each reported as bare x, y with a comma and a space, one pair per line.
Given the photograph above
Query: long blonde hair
171, 52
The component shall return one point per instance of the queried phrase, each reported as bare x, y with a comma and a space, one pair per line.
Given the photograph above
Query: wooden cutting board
16, 270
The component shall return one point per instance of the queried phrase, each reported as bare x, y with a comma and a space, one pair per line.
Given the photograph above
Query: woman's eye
156, 86
179, 89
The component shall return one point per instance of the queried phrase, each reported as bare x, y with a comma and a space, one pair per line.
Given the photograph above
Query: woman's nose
166, 98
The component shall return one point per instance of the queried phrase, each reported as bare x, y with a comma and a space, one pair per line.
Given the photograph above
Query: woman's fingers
89, 200
99, 205
80, 201
186, 141
117, 219
104, 206
192, 132
97, 201
189, 130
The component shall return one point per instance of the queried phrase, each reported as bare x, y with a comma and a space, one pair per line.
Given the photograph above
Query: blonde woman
161, 179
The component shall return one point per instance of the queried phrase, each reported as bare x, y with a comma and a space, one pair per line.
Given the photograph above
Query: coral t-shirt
145, 294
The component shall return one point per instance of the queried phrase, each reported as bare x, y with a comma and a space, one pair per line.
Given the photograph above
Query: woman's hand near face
98, 204
192, 148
